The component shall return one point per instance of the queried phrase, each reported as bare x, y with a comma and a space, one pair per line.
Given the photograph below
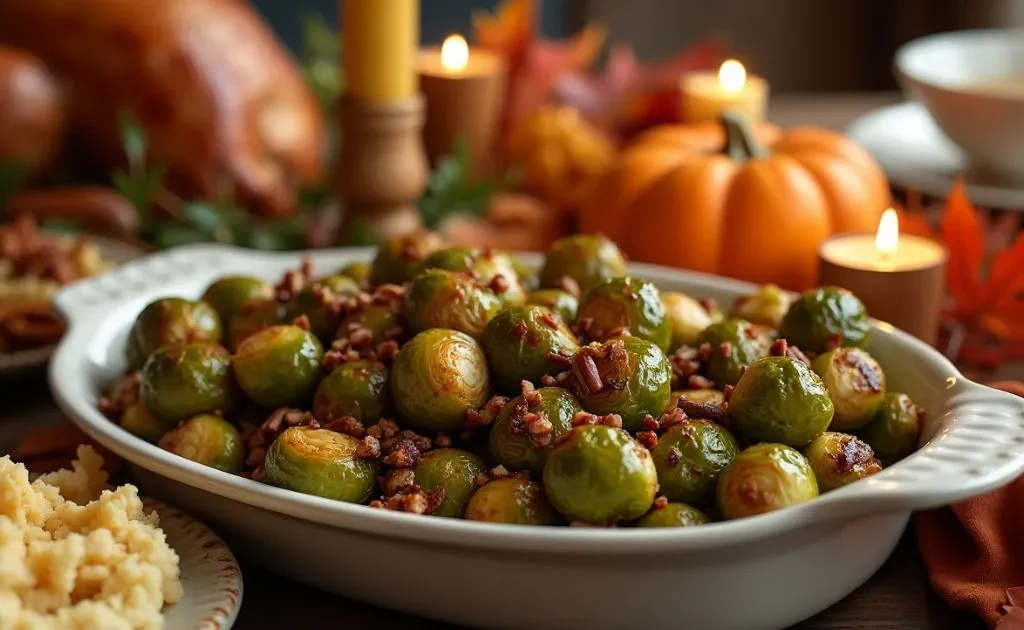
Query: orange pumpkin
721, 199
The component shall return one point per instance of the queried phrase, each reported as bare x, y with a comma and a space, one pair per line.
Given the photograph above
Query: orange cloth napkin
974, 551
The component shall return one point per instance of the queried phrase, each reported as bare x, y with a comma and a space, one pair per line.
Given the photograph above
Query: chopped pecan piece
397, 480
124, 394
499, 284
404, 454
369, 449
648, 438
347, 425
530, 393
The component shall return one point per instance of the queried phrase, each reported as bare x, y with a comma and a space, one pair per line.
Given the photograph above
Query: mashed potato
73, 555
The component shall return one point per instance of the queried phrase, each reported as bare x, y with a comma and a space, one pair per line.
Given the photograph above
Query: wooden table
896, 598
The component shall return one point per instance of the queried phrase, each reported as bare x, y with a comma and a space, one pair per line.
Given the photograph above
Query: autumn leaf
630, 96
963, 236
508, 31
989, 297
534, 64
1006, 276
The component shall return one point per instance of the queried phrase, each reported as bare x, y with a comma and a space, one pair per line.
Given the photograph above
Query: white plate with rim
210, 575
914, 153
767, 571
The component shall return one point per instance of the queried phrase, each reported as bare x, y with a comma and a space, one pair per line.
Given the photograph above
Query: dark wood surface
896, 598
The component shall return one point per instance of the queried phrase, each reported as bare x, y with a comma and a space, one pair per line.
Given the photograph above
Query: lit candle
705, 95
899, 277
464, 88
380, 42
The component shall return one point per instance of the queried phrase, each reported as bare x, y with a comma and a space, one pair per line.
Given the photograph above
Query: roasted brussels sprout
358, 271
558, 301
510, 439
838, 459
319, 302
674, 515
779, 399
522, 344
689, 457
381, 320
207, 439
444, 299
438, 376
585, 258
511, 500
186, 380
627, 376
452, 470
170, 321
687, 319
896, 428
359, 389
735, 344
763, 478
253, 317
855, 384
825, 317
322, 463
702, 396
529, 276
400, 258
279, 366
490, 269
227, 295
599, 474
340, 284
767, 307
140, 423
625, 303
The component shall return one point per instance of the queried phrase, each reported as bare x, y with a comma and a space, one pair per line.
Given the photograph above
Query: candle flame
887, 238
454, 53
732, 76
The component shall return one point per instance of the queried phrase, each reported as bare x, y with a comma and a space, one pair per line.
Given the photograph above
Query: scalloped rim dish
974, 445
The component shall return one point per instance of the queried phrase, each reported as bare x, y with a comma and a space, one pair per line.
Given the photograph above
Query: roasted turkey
218, 96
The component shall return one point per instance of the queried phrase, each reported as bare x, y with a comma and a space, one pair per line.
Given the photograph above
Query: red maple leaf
985, 282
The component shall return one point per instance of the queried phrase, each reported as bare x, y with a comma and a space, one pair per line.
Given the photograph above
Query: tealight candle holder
464, 88
707, 95
900, 278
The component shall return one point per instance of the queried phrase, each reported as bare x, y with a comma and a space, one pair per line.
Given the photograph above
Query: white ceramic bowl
939, 70
763, 572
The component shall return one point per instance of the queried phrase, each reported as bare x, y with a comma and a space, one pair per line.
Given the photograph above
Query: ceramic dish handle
980, 448
143, 279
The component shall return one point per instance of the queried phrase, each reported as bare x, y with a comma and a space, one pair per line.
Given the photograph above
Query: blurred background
800, 45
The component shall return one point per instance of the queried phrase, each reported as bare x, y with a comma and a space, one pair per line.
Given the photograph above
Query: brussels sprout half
764, 478
322, 463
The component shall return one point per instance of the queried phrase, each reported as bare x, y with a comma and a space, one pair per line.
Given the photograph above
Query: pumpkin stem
740, 143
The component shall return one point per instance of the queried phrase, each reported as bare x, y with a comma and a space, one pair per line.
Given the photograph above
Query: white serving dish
939, 70
763, 572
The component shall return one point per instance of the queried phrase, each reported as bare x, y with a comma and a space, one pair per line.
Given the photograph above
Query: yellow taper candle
381, 44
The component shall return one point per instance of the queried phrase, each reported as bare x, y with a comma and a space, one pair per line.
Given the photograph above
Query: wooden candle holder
382, 167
